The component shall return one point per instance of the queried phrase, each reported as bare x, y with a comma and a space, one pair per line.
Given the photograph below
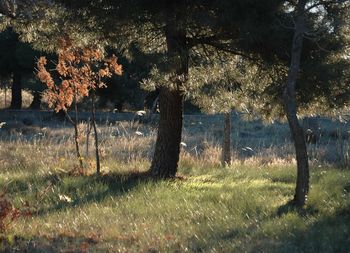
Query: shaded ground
225, 210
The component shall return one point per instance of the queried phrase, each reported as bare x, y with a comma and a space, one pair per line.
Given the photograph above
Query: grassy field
241, 208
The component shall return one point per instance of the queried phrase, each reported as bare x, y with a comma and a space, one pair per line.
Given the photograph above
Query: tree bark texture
16, 101
290, 106
167, 149
226, 144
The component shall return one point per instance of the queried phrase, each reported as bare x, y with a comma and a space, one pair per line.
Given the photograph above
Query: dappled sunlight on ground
241, 207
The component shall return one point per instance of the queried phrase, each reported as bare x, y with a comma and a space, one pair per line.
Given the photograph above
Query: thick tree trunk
16, 101
226, 144
167, 149
290, 106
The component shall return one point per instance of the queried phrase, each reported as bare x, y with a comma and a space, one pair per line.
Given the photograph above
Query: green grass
242, 208
238, 209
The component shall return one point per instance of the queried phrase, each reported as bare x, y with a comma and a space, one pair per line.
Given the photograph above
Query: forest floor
207, 208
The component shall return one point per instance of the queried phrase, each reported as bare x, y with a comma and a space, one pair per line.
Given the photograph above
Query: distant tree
127, 88
10, 65
218, 93
17, 61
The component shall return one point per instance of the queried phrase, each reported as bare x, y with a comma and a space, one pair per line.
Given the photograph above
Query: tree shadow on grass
328, 233
60, 243
82, 189
291, 206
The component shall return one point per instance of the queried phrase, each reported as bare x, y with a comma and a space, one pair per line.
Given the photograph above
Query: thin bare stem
93, 122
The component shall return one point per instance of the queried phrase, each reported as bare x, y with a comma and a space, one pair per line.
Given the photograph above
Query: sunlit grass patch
208, 208
331, 192
202, 212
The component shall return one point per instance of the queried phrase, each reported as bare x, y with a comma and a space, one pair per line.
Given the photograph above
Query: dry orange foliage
80, 70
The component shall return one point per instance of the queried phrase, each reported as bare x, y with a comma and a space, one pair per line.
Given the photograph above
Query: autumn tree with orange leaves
81, 71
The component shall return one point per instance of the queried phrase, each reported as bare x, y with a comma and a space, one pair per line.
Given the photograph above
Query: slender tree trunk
226, 145
167, 149
88, 132
16, 101
76, 132
80, 158
290, 106
5, 106
93, 122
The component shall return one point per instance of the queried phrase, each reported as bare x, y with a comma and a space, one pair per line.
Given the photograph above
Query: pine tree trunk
226, 145
167, 149
16, 101
290, 106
